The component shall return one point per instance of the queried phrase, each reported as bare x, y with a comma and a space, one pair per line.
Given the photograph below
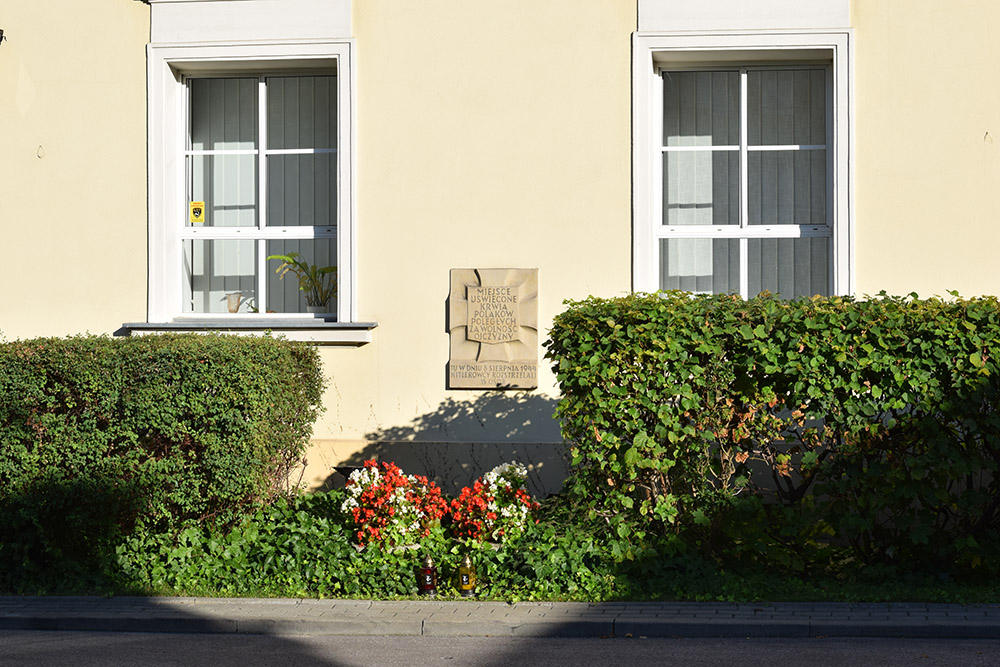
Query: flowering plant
495, 507
390, 507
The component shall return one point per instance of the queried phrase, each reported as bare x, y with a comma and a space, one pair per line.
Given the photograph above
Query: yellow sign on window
197, 212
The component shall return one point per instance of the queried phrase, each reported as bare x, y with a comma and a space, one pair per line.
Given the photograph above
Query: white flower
511, 474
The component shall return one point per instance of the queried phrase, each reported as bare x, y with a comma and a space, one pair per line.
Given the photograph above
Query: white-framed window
742, 163
261, 179
250, 157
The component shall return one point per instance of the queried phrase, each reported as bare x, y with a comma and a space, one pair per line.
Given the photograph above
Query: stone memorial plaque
493, 324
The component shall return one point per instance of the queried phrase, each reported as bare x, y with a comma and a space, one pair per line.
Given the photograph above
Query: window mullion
261, 193
184, 300
188, 188
744, 186
831, 196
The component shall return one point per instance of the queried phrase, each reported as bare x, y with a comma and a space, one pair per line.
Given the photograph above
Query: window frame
264, 231
653, 53
169, 68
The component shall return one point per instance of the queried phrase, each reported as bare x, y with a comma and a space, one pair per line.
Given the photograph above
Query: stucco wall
927, 146
72, 166
489, 135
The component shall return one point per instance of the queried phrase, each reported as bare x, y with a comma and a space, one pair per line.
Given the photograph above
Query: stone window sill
315, 330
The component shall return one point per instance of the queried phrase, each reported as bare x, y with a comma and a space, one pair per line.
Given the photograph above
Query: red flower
375, 515
474, 513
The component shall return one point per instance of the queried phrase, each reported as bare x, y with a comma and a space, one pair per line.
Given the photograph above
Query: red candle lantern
427, 578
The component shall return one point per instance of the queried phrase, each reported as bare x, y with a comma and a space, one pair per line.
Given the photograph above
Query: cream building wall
489, 135
72, 166
927, 146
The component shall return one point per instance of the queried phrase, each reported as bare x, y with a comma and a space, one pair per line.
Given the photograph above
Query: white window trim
167, 127
650, 51
316, 332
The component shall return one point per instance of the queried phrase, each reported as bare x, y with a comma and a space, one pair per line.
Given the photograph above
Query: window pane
302, 190
301, 112
710, 266
701, 108
786, 107
228, 186
223, 114
283, 294
701, 188
216, 269
787, 187
789, 267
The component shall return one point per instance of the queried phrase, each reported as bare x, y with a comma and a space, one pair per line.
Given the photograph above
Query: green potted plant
318, 283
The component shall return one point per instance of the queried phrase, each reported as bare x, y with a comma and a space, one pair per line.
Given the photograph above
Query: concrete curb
482, 619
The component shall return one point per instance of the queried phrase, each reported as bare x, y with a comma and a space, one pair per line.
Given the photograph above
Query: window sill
317, 330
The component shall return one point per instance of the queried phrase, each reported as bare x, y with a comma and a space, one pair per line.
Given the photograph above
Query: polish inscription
493, 329
490, 375
493, 314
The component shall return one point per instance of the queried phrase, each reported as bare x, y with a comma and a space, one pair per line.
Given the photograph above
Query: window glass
753, 172
789, 267
701, 126
301, 112
701, 108
227, 185
787, 187
319, 256
701, 188
301, 190
706, 266
247, 195
221, 161
223, 114
216, 269
786, 107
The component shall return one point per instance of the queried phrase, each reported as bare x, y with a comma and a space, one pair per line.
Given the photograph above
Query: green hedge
865, 423
101, 436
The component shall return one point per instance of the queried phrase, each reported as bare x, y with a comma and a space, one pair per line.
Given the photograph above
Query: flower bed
387, 506
495, 507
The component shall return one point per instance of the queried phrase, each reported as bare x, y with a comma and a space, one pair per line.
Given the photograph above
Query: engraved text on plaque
493, 324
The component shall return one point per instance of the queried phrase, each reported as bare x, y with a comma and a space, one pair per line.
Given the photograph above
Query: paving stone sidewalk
476, 618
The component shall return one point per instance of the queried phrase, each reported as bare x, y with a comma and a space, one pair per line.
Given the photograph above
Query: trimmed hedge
867, 423
99, 437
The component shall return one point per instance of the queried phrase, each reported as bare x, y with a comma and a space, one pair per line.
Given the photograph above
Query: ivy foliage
302, 546
870, 424
102, 437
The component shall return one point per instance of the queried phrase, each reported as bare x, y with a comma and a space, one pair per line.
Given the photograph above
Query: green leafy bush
101, 436
303, 546
296, 545
869, 423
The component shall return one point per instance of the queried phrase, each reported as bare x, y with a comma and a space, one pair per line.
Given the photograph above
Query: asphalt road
87, 649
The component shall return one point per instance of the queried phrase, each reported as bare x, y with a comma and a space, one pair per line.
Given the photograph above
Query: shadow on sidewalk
76, 648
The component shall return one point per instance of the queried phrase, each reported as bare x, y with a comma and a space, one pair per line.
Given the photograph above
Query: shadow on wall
464, 438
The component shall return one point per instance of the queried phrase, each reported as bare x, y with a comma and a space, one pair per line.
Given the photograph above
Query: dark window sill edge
317, 331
